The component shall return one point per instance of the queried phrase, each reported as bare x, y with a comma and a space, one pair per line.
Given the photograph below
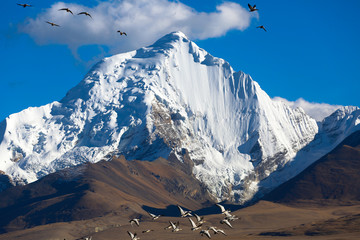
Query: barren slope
117, 187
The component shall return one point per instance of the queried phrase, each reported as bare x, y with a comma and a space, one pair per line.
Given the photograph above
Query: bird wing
131, 234
227, 214
172, 225
227, 223
151, 215
221, 207
198, 218
181, 210
207, 234
192, 223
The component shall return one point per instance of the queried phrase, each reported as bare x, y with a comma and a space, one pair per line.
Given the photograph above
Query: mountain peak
168, 99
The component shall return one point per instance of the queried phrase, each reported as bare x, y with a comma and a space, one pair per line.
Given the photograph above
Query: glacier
172, 98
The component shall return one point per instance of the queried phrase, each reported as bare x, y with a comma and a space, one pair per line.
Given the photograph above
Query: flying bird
122, 33
184, 213
175, 227
230, 217
67, 10
223, 210
225, 221
153, 216
133, 236
252, 8
134, 220
53, 24
147, 231
262, 27
194, 226
216, 230
85, 13
206, 232
24, 5
200, 220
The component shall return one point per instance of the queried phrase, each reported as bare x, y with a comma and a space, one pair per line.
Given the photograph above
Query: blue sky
311, 49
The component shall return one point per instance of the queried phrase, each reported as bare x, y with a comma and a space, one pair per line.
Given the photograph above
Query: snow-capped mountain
172, 98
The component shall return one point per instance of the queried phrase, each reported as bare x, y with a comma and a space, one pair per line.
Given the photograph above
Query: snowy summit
172, 98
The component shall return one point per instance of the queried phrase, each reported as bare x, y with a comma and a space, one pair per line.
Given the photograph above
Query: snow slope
169, 98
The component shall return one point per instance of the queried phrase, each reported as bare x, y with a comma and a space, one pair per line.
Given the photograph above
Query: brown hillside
117, 187
334, 179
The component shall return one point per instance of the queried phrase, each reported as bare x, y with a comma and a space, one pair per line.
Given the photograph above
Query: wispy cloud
318, 111
143, 20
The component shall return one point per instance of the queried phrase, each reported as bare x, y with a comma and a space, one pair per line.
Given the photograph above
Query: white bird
136, 221
252, 8
153, 216
175, 227
147, 231
133, 236
184, 213
223, 210
231, 217
226, 222
216, 230
194, 226
206, 232
200, 220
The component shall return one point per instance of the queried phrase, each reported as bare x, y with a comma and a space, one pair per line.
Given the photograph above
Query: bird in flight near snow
53, 24
252, 8
67, 10
85, 13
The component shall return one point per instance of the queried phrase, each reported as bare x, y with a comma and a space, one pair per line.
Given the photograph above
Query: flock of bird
253, 9
24, 5
194, 225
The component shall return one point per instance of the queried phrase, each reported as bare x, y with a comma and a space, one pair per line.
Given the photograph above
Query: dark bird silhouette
67, 10
85, 13
122, 33
53, 24
262, 27
24, 5
252, 8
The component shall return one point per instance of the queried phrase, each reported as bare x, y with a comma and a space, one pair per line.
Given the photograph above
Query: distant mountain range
172, 99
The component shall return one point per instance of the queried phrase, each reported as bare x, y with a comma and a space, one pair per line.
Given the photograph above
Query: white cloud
143, 20
318, 111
